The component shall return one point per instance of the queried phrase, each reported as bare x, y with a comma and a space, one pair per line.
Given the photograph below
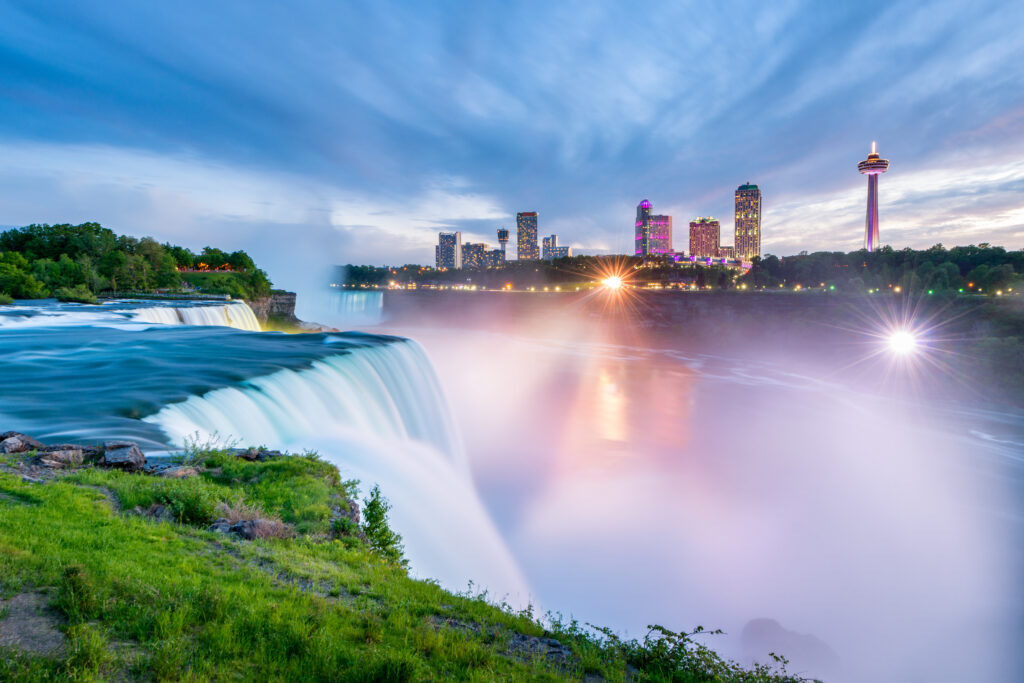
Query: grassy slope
140, 599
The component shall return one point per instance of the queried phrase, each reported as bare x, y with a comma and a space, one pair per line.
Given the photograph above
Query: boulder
16, 442
69, 457
249, 454
124, 455
178, 472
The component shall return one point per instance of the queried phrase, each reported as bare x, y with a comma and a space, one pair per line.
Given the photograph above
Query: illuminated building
747, 239
495, 258
704, 237
448, 252
526, 236
653, 232
550, 249
474, 255
872, 167
727, 252
502, 242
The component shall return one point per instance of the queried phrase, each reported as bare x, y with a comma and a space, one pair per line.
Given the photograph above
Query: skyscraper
526, 236
872, 167
653, 232
704, 237
747, 239
448, 252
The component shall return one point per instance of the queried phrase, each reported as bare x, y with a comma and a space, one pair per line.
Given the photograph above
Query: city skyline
364, 152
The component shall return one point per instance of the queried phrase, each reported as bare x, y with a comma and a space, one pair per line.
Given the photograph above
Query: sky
325, 132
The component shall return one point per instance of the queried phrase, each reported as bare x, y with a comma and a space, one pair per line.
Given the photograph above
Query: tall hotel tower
747, 240
872, 167
653, 232
704, 237
448, 252
526, 236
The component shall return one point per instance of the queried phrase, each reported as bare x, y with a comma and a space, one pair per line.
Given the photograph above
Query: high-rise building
526, 236
747, 238
653, 233
704, 237
495, 258
474, 255
448, 252
872, 167
727, 252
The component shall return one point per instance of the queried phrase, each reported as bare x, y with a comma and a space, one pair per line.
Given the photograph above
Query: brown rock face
179, 472
71, 457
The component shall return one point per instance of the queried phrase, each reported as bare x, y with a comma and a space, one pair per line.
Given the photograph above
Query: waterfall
378, 413
343, 309
235, 314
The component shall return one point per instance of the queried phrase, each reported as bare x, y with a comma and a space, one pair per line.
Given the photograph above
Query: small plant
343, 526
6, 299
379, 534
87, 651
79, 294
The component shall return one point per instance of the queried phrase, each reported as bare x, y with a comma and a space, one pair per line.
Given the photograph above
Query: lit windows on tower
747, 239
526, 236
653, 233
705, 234
448, 252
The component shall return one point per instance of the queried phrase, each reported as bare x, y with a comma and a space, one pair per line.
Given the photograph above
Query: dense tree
40, 260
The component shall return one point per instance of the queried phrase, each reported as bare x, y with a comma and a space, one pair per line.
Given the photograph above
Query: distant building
448, 252
474, 255
747, 240
704, 237
550, 249
872, 167
502, 242
495, 258
727, 252
526, 236
653, 233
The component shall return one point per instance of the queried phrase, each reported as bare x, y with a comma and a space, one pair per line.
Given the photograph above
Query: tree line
77, 262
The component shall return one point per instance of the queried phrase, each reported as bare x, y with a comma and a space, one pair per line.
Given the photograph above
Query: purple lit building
653, 232
872, 167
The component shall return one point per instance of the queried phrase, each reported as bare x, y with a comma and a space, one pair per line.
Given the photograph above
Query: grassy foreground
135, 587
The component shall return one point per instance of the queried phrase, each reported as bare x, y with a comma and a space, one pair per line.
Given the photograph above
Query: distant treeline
76, 262
573, 270
982, 268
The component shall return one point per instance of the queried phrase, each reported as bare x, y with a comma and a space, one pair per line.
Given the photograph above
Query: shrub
77, 294
6, 299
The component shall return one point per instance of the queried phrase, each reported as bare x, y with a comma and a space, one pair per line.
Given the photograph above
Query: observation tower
872, 167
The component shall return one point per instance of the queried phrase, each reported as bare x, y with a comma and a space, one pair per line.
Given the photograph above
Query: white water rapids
124, 314
378, 413
235, 314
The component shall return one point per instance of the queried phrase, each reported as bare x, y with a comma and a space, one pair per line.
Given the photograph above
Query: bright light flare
613, 282
902, 342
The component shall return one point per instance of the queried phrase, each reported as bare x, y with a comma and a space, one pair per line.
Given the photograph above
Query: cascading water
125, 314
235, 314
378, 413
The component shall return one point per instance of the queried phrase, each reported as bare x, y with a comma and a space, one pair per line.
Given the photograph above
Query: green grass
147, 600
6, 299
78, 294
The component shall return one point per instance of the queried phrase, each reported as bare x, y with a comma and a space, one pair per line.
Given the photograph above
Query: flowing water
868, 537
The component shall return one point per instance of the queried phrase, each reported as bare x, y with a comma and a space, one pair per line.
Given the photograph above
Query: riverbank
259, 565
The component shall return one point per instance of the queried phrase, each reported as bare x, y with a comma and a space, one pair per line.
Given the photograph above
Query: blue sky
354, 131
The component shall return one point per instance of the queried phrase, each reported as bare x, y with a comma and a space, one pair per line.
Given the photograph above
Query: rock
249, 454
71, 457
16, 442
88, 452
156, 512
31, 480
222, 526
124, 455
178, 472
